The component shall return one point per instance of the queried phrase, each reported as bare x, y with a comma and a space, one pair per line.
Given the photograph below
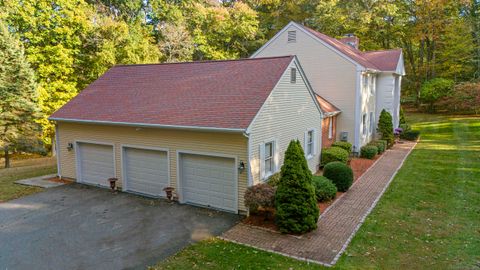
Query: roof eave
147, 125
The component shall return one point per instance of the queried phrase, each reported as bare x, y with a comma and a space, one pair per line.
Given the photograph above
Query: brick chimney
351, 40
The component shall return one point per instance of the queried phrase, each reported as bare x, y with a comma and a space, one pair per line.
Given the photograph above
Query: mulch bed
56, 179
265, 221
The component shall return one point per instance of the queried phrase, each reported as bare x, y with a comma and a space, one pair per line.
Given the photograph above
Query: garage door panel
96, 163
146, 171
208, 180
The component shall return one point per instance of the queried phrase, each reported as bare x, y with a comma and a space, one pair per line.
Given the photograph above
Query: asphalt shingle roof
211, 94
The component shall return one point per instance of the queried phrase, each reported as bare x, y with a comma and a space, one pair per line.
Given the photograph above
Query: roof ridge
205, 61
384, 50
341, 46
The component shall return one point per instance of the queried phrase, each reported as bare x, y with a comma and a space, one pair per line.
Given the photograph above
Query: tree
52, 33
295, 202
176, 44
385, 127
18, 109
434, 90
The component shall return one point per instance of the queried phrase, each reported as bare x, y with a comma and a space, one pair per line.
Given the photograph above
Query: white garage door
209, 181
95, 163
146, 171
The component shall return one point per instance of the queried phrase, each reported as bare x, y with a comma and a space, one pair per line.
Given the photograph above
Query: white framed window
364, 123
372, 122
310, 143
373, 84
365, 81
268, 158
293, 75
330, 127
292, 36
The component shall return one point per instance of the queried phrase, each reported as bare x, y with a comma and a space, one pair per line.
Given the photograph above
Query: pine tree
385, 127
18, 109
295, 202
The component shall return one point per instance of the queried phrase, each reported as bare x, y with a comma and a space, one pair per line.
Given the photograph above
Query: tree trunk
7, 157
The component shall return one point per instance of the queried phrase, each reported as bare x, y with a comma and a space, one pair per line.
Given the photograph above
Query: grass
429, 218
9, 190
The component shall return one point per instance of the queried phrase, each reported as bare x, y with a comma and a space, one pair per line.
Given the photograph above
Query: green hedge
380, 146
334, 154
325, 190
340, 174
344, 145
410, 135
368, 151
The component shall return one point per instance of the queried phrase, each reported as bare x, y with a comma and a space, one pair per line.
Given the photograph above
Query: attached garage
145, 170
208, 181
95, 163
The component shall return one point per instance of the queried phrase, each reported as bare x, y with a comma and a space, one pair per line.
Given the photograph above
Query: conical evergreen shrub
295, 202
385, 127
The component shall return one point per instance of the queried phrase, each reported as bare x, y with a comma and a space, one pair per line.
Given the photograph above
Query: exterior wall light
69, 146
241, 166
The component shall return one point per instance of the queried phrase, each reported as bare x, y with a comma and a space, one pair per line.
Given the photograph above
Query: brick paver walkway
337, 224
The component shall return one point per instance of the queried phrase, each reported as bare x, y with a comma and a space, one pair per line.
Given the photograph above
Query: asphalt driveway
81, 227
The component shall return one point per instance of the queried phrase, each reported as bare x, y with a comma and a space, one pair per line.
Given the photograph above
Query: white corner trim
358, 110
57, 150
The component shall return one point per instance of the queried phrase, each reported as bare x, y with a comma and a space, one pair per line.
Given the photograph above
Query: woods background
51, 50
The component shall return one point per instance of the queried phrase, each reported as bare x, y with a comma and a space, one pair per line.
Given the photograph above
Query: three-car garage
204, 179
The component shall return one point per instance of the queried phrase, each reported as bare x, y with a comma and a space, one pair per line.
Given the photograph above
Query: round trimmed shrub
325, 190
296, 209
261, 195
384, 144
379, 145
340, 174
344, 145
410, 135
368, 151
334, 154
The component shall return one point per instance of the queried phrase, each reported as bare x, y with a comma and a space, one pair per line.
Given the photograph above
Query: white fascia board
146, 125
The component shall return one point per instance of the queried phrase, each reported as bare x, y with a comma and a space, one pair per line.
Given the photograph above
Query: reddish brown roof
386, 60
379, 60
326, 106
210, 94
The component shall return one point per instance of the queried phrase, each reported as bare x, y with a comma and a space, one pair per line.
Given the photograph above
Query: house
360, 84
208, 129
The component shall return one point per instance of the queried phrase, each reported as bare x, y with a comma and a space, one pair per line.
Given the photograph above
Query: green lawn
9, 190
429, 218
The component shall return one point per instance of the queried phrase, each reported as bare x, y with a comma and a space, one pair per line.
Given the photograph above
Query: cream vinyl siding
331, 75
288, 114
231, 144
368, 104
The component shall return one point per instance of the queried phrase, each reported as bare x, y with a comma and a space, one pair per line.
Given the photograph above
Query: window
372, 85
372, 122
293, 75
292, 36
269, 159
330, 128
309, 143
365, 81
364, 123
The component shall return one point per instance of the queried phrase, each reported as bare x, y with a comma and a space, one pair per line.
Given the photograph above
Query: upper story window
292, 36
293, 75
365, 81
269, 158
372, 84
